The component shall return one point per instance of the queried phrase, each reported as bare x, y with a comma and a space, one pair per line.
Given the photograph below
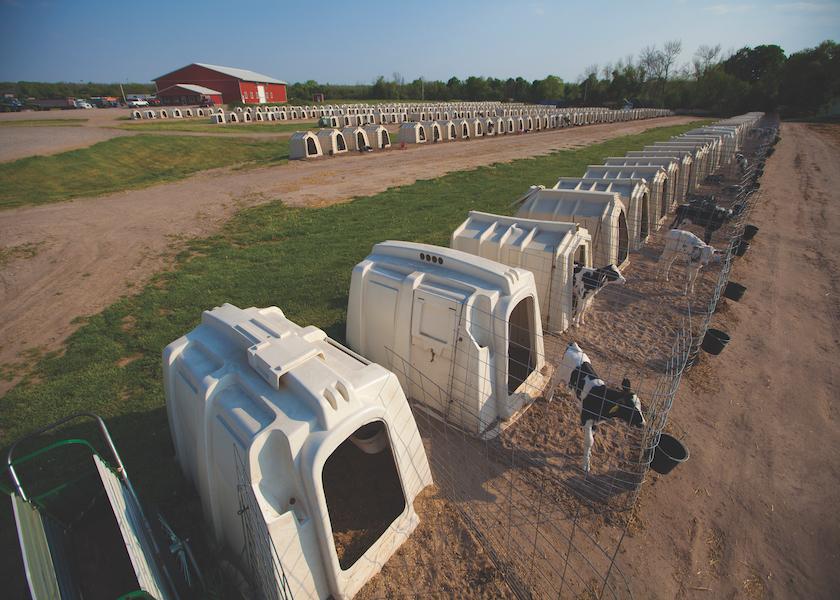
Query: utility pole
422, 89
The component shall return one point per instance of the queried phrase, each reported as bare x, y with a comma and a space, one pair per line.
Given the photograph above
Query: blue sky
349, 42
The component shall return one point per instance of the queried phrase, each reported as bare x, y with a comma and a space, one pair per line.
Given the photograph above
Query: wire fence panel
519, 509
261, 556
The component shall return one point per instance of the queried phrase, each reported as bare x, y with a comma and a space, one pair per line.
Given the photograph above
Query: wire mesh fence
518, 509
265, 568
522, 491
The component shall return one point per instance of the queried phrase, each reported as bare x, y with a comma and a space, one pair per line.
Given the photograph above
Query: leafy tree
549, 89
811, 79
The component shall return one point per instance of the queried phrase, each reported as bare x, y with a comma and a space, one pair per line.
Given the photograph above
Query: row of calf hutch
332, 141
395, 114
262, 408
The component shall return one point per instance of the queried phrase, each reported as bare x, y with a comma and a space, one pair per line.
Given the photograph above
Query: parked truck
49, 104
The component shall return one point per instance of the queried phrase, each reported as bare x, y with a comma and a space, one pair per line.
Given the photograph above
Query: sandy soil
752, 514
80, 256
23, 141
102, 124
20, 142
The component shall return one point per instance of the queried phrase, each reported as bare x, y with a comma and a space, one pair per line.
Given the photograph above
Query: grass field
42, 122
298, 259
204, 126
126, 163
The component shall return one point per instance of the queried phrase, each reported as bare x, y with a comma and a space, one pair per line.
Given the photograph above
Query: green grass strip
126, 163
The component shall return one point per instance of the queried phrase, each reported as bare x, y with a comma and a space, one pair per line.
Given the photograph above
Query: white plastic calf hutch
379, 136
656, 178
304, 144
687, 166
332, 142
316, 434
546, 248
635, 195
356, 138
463, 128
412, 133
462, 333
677, 179
602, 214
449, 130
434, 131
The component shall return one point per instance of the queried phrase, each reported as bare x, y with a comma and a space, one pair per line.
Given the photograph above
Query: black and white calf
742, 163
598, 401
705, 214
697, 253
586, 283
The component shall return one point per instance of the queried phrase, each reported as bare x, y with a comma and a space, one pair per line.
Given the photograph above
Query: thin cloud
728, 9
808, 7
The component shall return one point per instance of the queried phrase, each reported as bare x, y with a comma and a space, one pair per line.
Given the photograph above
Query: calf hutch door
434, 328
522, 355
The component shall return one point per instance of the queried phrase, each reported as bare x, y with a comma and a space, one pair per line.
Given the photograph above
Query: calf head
706, 254
626, 406
612, 274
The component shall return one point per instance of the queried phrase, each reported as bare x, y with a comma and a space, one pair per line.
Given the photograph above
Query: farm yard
115, 268
120, 240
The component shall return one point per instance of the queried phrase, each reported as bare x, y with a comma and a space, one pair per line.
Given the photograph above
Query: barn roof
198, 89
243, 74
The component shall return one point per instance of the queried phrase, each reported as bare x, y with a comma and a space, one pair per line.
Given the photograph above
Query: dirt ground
74, 258
101, 124
752, 514
20, 142
23, 141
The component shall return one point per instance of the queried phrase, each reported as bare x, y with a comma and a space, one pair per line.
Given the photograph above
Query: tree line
63, 89
804, 83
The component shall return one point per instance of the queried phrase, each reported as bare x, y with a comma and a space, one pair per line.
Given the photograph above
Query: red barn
222, 85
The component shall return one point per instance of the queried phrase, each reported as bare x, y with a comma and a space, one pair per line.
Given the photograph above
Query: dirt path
753, 513
99, 125
20, 142
88, 252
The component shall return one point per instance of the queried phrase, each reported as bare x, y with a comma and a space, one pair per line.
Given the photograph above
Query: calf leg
691, 274
667, 260
579, 306
584, 309
588, 441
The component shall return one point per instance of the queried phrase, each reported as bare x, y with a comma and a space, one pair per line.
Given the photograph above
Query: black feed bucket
668, 454
734, 291
749, 232
715, 341
741, 248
